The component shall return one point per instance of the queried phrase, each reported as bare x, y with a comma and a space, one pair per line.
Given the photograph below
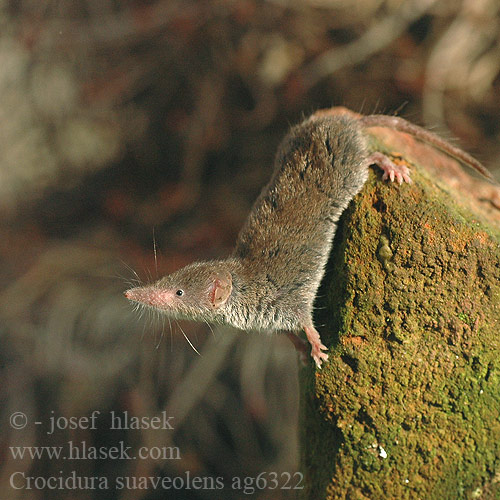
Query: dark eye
179, 293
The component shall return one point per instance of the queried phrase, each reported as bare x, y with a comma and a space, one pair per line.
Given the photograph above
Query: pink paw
391, 170
317, 346
318, 355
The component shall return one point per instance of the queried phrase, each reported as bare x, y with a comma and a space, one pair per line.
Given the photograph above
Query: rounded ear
221, 288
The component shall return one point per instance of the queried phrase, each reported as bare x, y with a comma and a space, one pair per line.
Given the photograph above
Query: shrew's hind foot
392, 171
301, 346
317, 346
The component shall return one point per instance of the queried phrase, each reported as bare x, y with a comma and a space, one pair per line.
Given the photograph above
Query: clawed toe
392, 171
319, 357
317, 347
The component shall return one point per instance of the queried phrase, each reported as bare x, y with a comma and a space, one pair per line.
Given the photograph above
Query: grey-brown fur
284, 245
271, 279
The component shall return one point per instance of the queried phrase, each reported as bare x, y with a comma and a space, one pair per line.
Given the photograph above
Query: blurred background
133, 126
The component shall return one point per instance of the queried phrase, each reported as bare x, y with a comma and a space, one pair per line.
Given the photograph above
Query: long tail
397, 123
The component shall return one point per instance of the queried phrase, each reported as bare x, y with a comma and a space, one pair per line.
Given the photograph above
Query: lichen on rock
408, 406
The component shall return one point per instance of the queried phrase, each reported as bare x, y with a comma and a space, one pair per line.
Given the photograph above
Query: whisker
210, 326
154, 249
398, 110
132, 270
159, 341
186, 337
130, 282
152, 321
160, 319
362, 107
150, 277
163, 324
171, 336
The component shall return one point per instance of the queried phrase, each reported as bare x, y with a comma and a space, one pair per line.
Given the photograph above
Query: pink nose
137, 294
133, 294
149, 296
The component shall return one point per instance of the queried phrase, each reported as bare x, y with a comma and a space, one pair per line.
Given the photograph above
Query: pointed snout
132, 294
139, 294
149, 296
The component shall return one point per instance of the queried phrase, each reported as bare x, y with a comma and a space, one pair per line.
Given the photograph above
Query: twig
377, 37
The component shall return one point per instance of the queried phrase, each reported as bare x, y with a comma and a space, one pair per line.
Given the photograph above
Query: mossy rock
408, 405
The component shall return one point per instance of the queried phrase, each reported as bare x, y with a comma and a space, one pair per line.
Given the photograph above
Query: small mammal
271, 279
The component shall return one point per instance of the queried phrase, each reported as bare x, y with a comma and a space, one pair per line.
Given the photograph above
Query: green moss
413, 319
